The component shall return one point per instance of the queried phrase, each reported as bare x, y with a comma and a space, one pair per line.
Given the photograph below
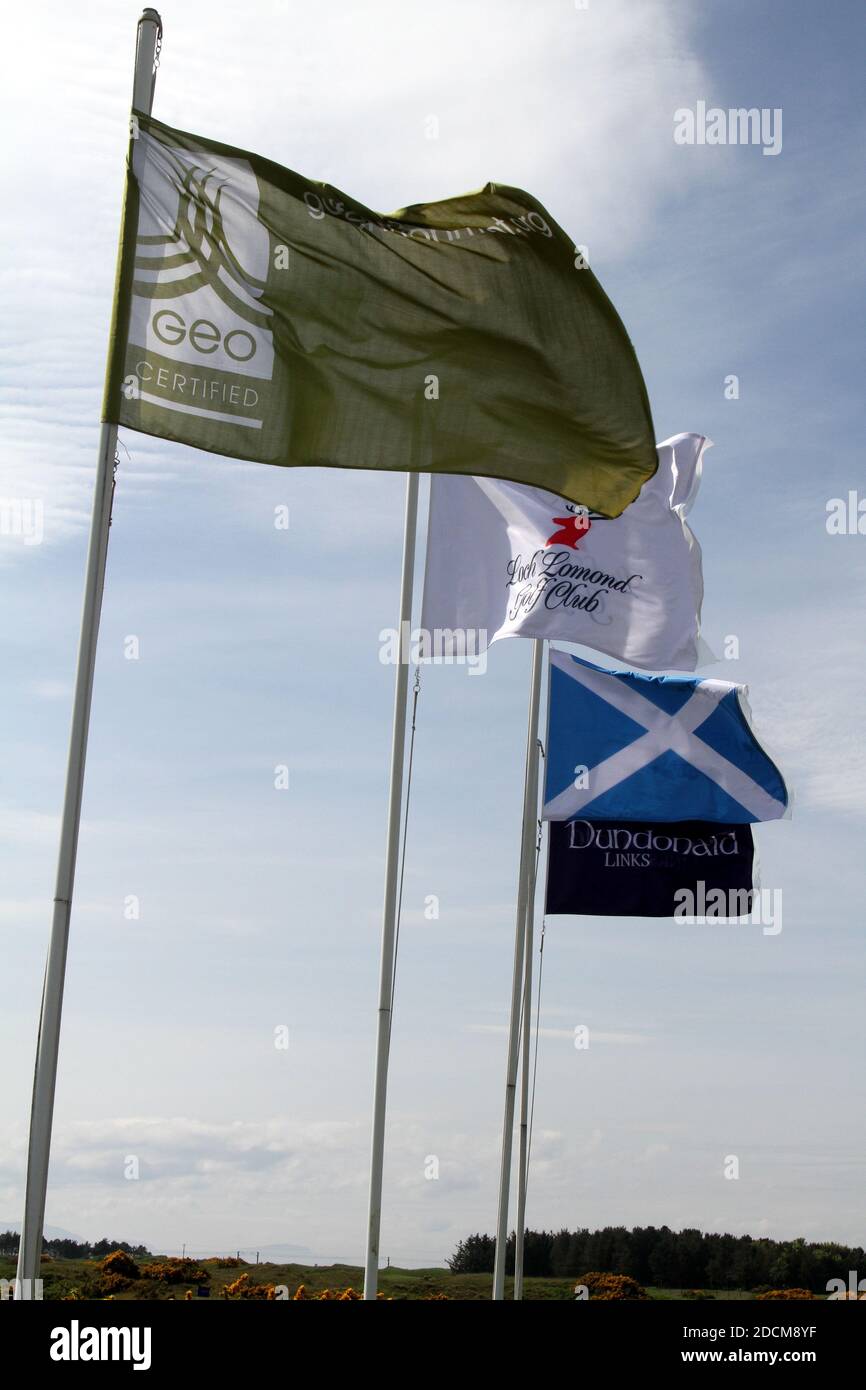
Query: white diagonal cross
664, 733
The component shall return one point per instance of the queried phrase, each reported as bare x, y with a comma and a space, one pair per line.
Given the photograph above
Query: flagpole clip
118, 443
114, 467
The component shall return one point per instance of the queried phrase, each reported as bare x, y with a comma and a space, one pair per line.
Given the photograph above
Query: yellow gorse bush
785, 1293
243, 1288
118, 1262
609, 1286
176, 1271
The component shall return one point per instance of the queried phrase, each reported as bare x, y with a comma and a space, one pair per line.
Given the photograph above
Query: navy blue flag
641, 868
628, 746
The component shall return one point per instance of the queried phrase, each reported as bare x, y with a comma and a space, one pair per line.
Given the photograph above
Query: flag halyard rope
537, 1000
416, 691
535, 1057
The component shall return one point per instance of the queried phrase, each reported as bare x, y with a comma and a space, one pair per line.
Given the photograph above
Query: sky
259, 908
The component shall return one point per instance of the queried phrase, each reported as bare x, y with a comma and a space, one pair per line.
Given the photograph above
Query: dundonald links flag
626, 746
507, 560
266, 317
641, 868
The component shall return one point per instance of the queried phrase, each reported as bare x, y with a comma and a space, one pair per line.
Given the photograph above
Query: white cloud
360, 124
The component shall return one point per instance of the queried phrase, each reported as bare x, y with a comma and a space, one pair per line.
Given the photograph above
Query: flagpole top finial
149, 16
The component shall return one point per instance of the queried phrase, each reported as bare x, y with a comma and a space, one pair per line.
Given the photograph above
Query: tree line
663, 1258
72, 1249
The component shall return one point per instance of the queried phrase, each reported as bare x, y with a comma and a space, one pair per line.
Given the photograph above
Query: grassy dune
63, 1277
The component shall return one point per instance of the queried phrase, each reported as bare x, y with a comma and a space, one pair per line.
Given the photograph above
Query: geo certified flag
625, 746
638, 868
261, 315
504, 560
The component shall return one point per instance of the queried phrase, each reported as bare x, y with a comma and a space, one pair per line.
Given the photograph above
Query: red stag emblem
572, 528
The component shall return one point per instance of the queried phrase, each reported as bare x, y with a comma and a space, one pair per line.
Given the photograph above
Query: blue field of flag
655, 748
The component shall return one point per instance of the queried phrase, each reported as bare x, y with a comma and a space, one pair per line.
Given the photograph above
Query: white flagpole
48, 1041
527, 864
523, 1142
392, 872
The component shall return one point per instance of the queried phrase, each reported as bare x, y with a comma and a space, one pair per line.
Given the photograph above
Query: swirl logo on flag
200, 338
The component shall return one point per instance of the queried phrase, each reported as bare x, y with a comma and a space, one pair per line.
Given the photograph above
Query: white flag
506, 560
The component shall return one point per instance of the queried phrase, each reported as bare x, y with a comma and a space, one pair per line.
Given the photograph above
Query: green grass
62, 1277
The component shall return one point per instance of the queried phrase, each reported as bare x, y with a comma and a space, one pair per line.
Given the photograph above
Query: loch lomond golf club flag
507, 560
627, 746
263, 316
641, 868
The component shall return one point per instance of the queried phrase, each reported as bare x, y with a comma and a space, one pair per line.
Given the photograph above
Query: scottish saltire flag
505, 560
268, 317
626, 746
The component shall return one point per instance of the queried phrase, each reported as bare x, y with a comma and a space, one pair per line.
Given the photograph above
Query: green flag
263, 316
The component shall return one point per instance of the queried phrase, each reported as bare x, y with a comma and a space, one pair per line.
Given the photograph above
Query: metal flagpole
48, 1041
527, 865
392, 872
523, 1161
523, 1142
